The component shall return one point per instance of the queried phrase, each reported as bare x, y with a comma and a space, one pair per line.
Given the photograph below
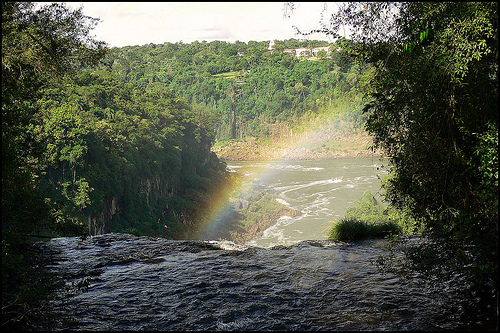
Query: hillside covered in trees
272, 91
84, 152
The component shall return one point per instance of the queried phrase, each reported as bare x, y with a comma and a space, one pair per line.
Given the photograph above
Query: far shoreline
246, 157
251, 149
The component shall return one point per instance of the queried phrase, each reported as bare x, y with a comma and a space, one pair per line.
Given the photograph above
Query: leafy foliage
434, 111
85, 153
368, 218
32, 40
249, 88
35, 52
353, 229
116, 145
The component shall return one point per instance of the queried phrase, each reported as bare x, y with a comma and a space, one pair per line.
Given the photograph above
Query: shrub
352, 228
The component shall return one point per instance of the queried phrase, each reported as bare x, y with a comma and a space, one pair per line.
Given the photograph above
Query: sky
139, 23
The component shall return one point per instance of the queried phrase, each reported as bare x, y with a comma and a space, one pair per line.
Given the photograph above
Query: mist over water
310, 186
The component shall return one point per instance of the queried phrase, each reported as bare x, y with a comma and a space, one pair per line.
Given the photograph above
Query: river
291, 278
310, 187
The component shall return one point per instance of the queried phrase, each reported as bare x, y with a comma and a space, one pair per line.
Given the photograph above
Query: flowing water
142, 283
280, 281
311, 187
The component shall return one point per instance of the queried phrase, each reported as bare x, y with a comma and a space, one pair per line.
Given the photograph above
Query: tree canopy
38, 47
249, 87
434, 112
84, 152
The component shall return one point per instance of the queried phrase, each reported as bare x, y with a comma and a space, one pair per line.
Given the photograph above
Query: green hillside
255, 92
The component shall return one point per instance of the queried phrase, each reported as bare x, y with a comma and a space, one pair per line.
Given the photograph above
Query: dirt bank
254, 150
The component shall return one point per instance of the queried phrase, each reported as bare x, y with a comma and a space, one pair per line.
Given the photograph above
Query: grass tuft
352, 228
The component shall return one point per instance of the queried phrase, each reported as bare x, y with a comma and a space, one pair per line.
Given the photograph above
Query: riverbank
252, 149
262, 223
249, 215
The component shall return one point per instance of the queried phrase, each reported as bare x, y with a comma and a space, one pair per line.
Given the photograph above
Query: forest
98, 139
252, 90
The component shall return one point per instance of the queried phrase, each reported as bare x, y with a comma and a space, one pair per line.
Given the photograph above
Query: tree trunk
233, 122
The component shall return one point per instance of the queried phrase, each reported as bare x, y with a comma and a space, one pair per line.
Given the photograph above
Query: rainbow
263, 171
218, 213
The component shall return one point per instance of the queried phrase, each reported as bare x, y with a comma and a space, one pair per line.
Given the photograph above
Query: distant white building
271, 45
303, 51
315, 50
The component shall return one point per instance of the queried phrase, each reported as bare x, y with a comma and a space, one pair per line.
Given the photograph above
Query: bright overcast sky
139, 23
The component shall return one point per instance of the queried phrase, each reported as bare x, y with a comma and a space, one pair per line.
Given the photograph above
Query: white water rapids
312, 188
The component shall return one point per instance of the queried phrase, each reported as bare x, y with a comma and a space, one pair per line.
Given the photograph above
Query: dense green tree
121, 156
86, 150
39, 46
434, 111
